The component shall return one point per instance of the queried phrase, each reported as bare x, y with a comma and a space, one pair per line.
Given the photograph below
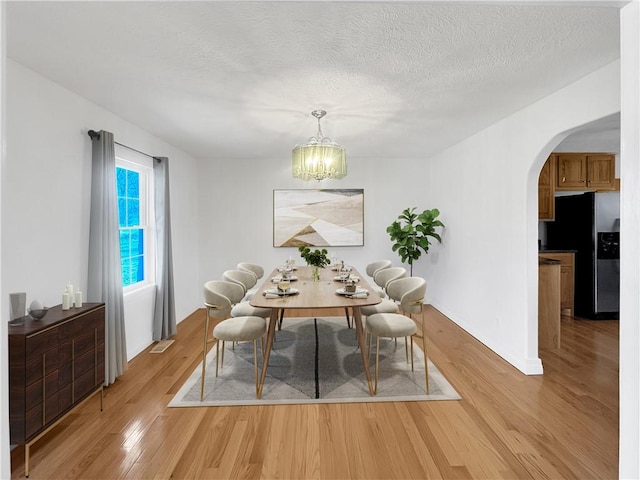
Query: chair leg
411, 352
406, 350
218, 355
204, 355
375, 388
424, 350
222, 359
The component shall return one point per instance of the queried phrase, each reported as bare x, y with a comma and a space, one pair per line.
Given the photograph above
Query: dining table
309, 293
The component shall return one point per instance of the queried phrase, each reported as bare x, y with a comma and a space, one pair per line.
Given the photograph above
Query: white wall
236, 202
486, 279
46, 199
5, 456
629, 460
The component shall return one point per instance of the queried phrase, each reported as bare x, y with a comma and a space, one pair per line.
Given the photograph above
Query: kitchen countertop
548, 261
545, 250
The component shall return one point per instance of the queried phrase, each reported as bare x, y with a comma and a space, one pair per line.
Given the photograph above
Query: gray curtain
164, 314
105, 277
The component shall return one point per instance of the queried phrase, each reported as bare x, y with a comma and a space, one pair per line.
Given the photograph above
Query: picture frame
318, 217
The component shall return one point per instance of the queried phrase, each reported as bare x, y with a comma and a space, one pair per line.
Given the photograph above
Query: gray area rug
314, 360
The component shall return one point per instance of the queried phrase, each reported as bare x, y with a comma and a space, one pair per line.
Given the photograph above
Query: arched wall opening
595, 128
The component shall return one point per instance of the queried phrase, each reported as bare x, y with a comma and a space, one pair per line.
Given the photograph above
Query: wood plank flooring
563, 424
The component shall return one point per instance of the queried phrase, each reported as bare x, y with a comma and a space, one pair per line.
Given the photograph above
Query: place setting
350, 289
283, 281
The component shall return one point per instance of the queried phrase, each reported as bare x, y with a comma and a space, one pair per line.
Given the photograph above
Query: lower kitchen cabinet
567, 279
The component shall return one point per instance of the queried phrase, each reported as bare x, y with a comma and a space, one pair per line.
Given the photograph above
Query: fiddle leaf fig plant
411, 233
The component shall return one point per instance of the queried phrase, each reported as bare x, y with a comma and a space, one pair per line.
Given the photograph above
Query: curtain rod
93, 134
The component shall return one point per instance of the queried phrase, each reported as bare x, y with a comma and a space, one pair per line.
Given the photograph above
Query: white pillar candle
78, 300
69, 290
66, 301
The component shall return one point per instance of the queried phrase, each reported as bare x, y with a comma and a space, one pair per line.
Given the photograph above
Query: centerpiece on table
316, 259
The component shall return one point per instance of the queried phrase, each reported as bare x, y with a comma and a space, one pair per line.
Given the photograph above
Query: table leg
271, 333
362, 343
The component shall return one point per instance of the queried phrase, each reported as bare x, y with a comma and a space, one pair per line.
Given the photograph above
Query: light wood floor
508, 425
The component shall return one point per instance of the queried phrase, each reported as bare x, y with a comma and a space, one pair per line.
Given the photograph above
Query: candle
66, 301
78, 300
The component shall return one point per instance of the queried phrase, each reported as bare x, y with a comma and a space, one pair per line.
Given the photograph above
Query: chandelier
319, 158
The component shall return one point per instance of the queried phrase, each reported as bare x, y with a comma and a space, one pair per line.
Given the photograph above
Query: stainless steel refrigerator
589, 223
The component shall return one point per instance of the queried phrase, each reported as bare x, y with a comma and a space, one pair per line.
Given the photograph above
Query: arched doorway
584, 275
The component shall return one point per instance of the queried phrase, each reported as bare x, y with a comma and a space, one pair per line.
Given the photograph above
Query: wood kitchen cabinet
546, 189
585, 171
567, 279
548, 303
54, 364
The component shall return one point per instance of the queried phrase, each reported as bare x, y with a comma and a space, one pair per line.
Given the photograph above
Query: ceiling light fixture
319, 158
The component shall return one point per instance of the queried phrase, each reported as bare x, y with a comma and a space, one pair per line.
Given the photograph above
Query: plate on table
335, 269
281, 269
292, 278
274, 291
341, 291
338, 279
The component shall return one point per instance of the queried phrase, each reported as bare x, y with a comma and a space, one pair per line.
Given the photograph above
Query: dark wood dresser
54, 364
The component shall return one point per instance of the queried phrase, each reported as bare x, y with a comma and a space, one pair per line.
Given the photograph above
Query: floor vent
161, 346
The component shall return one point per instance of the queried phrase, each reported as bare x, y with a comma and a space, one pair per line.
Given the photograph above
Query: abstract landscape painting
318, 218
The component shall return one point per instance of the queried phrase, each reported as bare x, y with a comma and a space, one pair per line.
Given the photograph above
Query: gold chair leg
424, 350
370, 341
218, 355
204, 355
411, 353
406, 350
222, 359
375, 388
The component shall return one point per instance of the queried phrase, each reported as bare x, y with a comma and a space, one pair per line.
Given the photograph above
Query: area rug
314, 360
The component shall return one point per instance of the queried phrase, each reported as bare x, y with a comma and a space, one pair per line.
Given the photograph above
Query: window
134, 187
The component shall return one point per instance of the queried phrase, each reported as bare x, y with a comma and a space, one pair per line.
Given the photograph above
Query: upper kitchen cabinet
585, 171
546, 189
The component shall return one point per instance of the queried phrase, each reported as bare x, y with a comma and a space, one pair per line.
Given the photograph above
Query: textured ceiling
239, 79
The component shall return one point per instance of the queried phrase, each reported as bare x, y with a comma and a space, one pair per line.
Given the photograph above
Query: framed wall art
318, 218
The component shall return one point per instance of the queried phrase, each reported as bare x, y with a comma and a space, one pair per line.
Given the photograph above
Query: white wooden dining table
316, 294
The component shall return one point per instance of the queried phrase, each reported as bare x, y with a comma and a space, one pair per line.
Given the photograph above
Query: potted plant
315, 258
411, 231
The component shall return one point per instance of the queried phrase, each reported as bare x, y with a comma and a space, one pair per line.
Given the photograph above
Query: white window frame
132, 160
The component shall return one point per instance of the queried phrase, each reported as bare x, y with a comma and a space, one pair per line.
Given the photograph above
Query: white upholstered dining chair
374, 267
245, 278
254, 268
219, 298
409, 293
382, 279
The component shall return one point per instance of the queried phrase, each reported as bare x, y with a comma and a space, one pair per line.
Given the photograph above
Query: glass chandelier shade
319, 158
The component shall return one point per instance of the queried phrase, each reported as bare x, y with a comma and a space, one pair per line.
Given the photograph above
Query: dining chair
219, 298
254, 268
247, 279
373, 268
409, 293
382, 279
